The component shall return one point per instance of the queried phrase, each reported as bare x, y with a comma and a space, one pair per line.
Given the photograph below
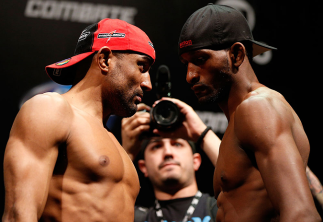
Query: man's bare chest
235, 164
92, 154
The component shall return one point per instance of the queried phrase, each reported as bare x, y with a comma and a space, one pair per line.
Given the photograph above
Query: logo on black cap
84, 34
185, 43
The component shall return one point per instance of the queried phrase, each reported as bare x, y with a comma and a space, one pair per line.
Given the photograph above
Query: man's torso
238, 183
94, 179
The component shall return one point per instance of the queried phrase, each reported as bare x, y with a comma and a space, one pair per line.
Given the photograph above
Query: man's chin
171, 177
171, 181
206, 100
132, 110
128, 110
213, 98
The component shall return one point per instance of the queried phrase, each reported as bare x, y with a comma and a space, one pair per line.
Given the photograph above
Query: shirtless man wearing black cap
60, 163
260, 173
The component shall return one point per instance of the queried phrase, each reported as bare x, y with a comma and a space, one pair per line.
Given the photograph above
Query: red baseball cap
114, 33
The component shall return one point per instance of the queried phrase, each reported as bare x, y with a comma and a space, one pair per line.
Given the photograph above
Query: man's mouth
168, 163
138, 98
199, 89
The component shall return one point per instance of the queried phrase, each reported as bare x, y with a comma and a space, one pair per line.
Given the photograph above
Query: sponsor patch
111, 35
185, 43
63, 62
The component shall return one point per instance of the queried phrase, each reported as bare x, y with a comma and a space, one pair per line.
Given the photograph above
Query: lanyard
190, 210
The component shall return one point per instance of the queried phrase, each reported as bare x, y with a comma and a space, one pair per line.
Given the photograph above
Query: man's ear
237, 54
142, 167
197, 160
104, 58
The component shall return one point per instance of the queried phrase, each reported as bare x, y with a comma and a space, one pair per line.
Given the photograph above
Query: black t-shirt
175, 210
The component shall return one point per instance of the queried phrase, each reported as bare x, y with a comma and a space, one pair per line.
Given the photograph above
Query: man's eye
143, 67
156, 147
200, 60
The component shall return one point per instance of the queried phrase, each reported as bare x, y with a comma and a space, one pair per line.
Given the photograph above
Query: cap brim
61, 72
259, 47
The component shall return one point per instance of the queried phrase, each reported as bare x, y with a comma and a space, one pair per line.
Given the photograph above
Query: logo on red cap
110, 35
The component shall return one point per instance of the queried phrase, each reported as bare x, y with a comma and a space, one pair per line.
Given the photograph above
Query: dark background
30, 41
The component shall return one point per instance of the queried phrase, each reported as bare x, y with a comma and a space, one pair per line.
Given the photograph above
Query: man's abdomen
89, 202
244, 205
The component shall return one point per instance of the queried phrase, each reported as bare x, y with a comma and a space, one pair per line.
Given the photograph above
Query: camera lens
165, 114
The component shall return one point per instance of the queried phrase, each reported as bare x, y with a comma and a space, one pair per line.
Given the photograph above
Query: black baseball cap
217, 26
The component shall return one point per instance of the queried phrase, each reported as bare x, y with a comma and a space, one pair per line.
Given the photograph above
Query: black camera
165, 115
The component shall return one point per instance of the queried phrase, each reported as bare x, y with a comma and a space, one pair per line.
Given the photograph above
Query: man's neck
187, 191
244, 82
85, 99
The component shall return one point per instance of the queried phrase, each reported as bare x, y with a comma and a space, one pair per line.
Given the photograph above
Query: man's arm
315, 186
191, 129
265, 127
132, 129
30, 156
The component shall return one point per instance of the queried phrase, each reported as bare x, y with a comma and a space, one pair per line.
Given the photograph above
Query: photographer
169, 161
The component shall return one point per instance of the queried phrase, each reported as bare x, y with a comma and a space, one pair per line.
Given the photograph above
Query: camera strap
189, 213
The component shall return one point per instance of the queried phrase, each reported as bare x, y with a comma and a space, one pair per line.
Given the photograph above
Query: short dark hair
121, 53
118, 54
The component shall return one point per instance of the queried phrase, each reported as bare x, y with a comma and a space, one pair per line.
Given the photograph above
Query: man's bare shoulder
263, 93
262, 116
43, 114
48, 106
47, 97
265, 101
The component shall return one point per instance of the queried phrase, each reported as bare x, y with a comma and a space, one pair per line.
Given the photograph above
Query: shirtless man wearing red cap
60, 163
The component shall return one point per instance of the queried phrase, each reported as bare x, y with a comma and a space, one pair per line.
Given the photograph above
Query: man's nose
168, 150
146, 83
192, 75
